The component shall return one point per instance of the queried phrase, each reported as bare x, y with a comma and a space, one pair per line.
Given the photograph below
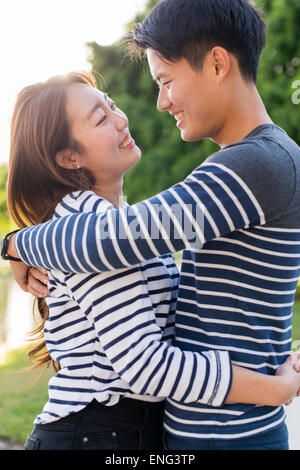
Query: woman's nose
121, 121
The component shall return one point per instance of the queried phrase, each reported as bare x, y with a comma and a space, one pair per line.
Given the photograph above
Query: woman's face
102, 130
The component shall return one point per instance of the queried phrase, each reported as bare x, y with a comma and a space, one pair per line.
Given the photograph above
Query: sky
41, 38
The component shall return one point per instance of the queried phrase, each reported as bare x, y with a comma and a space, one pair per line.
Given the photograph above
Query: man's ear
220, 61
67, 159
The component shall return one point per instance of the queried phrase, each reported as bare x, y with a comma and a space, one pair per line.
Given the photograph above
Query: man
241, 261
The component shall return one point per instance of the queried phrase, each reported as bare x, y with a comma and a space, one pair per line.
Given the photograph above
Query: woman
108, 335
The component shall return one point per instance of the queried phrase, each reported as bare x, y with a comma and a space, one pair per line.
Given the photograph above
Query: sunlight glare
40, 39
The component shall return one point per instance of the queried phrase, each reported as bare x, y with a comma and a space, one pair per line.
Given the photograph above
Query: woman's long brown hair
36, 183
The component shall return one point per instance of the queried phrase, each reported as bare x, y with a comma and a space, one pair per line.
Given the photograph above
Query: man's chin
189, 136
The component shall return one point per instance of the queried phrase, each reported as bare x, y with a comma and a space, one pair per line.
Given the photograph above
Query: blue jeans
276, 439
129, 425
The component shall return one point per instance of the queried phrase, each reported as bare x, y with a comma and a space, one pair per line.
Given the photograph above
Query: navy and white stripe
242, 301
237, 284
112, 335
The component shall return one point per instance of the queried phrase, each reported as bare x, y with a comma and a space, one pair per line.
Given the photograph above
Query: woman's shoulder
81, 201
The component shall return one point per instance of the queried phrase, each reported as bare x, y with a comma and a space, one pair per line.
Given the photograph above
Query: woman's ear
67, 159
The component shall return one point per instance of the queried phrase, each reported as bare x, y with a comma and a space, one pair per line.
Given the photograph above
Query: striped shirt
111, 334
240, 267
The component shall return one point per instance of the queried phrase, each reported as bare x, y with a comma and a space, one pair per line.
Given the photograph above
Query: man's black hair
188, 29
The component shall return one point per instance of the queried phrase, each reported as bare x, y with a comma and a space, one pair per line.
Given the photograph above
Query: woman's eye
166, 83
113, 107
102, 120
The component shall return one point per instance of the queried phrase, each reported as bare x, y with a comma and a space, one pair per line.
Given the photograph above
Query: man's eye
166, 83
113, 106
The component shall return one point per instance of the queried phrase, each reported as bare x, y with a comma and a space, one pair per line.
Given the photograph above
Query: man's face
190, 96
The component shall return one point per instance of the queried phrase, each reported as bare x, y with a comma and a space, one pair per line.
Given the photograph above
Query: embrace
146, 357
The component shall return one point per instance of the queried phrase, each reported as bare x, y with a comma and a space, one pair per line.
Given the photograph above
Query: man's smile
178, 116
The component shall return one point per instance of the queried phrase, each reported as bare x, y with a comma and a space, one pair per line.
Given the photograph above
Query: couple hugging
146, 357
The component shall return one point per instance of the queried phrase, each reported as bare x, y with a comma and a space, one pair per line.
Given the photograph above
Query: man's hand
32, 280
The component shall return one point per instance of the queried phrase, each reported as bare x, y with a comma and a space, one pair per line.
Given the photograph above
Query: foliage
3, 177
5, 223
22, 396
280, 63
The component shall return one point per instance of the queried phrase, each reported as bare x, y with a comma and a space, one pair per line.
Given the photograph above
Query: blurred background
39, 39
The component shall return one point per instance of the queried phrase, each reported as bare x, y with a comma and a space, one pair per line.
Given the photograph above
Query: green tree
280, 63
3, 178
5, 222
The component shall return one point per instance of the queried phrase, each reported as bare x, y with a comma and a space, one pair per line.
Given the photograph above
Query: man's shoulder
269, 151
268, 162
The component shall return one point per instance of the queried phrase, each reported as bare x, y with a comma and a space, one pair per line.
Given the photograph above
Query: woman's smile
127, 143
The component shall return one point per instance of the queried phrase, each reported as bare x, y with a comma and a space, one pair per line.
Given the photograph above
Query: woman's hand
253, 387
296, 361
32, 280
289, 370
38, 282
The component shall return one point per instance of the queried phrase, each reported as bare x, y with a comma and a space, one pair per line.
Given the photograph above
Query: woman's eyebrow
97, 105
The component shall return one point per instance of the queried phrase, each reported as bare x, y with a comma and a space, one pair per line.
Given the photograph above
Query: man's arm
211, 202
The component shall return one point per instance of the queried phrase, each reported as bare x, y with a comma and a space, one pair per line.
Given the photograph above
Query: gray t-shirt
268, 161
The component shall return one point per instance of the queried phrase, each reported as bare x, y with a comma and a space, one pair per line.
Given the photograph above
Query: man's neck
247, 112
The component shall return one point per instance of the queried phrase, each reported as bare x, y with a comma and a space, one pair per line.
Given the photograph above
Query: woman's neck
111, 191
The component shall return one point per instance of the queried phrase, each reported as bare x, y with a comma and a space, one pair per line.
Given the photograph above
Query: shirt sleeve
211, 202
124, 320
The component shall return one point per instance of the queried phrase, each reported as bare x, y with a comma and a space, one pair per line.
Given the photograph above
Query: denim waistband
131, 412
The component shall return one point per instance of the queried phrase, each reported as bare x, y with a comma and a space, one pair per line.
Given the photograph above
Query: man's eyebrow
97, 105
159, 76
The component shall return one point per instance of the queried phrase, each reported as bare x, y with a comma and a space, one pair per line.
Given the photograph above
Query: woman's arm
260, 389
119, 307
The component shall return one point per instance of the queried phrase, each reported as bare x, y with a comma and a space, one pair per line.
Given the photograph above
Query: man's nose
163, 101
